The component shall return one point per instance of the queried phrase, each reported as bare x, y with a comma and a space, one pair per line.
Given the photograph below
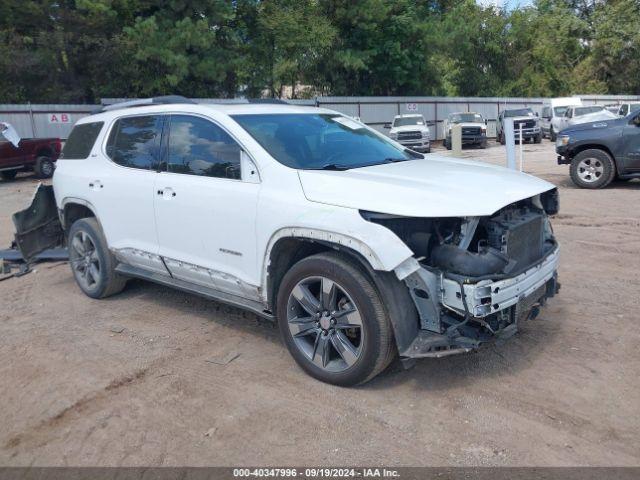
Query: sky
509, 4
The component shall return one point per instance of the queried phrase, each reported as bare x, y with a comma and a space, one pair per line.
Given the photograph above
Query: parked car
584, 114
552, 114
474, 129
627, 108
613, 108
411, 131
30, 154
601, 151
359, 248
521, 116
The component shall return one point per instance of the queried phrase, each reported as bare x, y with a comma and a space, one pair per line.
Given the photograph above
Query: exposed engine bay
479, 276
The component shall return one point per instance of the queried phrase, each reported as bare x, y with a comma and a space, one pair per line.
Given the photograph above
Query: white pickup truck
411, 131
359, 248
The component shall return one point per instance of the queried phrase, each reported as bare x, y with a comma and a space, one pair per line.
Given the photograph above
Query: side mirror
387, 126
537, 114
636, 120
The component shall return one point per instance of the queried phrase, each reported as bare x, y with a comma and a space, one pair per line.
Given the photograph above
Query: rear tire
592, 168
92, 264
44, 167
335, 347
8, 175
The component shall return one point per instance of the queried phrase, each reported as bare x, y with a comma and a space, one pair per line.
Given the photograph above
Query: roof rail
164, 100
272, 101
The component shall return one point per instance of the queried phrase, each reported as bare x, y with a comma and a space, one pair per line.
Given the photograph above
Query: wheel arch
44, 152
594, 146
74, 209
287, 249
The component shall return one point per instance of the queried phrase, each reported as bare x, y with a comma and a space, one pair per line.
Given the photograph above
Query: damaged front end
475, 279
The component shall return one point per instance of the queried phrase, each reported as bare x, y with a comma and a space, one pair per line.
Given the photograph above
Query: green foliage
81, 50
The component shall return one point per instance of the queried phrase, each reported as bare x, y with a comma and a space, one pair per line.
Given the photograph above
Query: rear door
121, 187
205, 206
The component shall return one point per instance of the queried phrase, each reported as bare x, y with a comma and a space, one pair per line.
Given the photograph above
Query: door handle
167, 192
96, 184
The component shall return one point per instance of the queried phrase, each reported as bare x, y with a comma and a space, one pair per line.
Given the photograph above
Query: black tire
9, 175
447, 143
538, 138
552, 134
44, 167
377, 346
483, 144
501, 138
602, 164
106, 282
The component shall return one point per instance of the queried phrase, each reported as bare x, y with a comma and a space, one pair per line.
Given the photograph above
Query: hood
409, 128
599, 124
436, 186
525, 117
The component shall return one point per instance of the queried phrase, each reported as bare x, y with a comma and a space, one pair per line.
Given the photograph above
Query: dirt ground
131, 380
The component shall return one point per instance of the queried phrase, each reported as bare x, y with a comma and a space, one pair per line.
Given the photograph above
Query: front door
206, 208
631, 144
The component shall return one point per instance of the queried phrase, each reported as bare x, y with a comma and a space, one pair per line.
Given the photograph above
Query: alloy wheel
85, 260
325, 324
590, 170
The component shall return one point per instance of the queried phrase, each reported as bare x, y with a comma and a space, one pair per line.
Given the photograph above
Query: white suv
358, 247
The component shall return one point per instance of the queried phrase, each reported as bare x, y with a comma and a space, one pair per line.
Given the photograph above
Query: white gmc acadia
359, 248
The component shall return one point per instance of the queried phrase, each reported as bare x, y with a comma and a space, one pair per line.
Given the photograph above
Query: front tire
333, 321
552, 135
538, 138
92, 263
592, 168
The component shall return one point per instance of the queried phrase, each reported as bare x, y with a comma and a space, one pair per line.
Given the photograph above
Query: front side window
81, 139
624, 109
320, 141
199, 147
635, 107
559, 111
135, 142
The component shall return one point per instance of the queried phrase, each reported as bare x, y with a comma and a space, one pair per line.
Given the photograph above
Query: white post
521, 151
456, 139
509, 138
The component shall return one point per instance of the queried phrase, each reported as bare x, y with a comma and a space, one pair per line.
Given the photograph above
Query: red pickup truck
31, 154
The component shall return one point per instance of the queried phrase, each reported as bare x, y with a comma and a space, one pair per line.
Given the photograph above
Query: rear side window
81, 139
199, 147
135, 142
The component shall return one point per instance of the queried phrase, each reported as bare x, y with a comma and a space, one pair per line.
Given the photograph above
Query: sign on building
412, 107
59, 118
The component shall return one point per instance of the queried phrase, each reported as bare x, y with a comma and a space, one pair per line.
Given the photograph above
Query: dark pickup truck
600, 152
31, 154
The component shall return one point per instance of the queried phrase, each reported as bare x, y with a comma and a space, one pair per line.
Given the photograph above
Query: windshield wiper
335, 166
395, 160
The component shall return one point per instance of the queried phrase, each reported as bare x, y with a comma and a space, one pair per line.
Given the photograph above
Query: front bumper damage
458, 315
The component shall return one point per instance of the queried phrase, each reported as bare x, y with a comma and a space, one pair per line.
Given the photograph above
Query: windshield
404, 121
559, 111
320, 141
465, 117
520, 112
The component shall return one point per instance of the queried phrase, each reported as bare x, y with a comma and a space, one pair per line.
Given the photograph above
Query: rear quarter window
81, 139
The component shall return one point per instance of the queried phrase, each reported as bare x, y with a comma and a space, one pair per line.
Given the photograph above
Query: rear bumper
513, 300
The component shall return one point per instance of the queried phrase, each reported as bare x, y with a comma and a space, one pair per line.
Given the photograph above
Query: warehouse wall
57, 120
